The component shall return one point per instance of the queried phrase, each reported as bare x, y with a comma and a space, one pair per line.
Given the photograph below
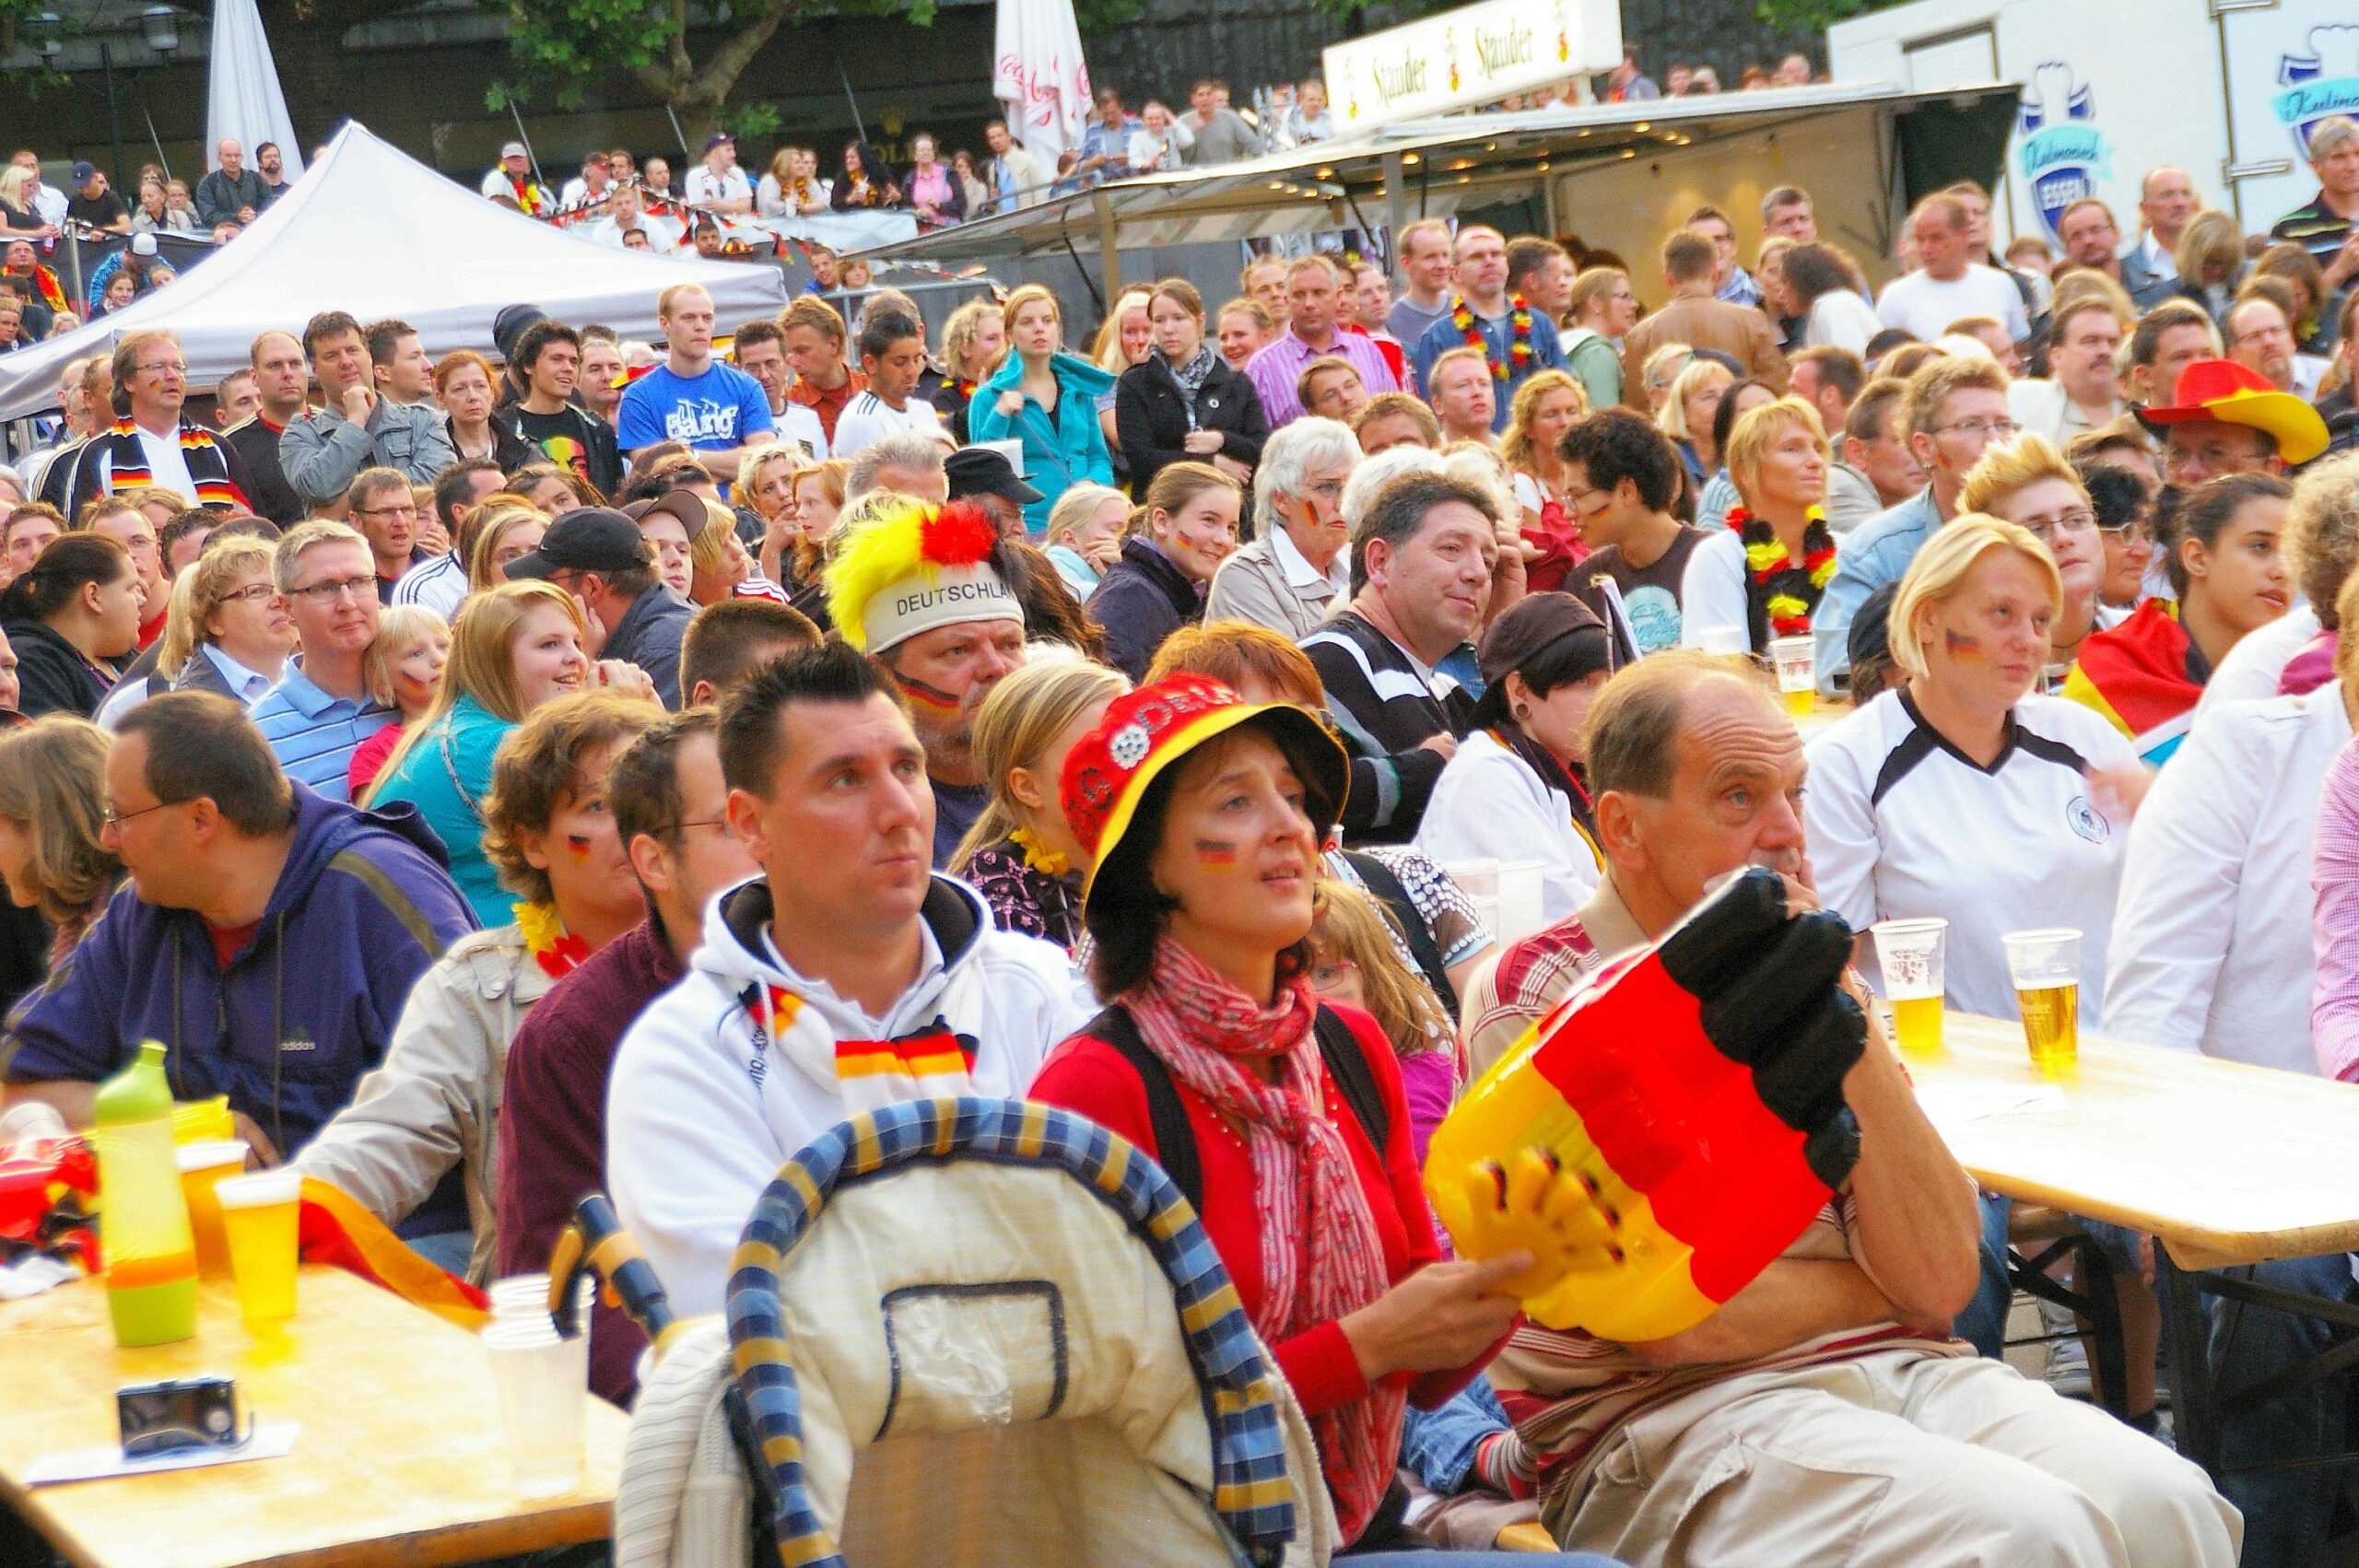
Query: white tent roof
370, 230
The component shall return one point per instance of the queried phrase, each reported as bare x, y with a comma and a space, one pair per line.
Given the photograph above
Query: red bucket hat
1109, 770
2227, 393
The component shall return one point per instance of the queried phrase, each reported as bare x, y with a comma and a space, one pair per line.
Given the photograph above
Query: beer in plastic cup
543, 1382
203, 1165
1724, 641
1795, 660
1910, 953
2045, 968
258, 1215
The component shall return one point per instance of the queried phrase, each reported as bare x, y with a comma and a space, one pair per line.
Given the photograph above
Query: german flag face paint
1626, 1142
927, 697
1217, 854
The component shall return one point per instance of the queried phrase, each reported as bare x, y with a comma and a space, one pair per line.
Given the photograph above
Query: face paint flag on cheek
1218, 853
926, 695
1664, 1134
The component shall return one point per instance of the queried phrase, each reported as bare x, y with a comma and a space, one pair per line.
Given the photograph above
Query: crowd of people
599, 766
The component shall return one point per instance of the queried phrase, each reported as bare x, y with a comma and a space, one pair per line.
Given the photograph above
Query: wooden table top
2225, 1162
399, 1457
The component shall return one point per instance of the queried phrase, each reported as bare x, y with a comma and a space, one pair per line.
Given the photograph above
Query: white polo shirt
1901, 824
868, 419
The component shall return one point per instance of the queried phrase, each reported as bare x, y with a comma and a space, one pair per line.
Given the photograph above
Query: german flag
2138, 675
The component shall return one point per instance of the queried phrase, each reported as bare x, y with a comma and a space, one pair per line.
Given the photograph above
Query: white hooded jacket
732, 1071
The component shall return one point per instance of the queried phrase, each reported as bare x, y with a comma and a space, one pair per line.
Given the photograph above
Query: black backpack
1175, 1141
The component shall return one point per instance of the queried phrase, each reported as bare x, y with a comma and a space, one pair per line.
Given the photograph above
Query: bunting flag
335, 1230
2137, 675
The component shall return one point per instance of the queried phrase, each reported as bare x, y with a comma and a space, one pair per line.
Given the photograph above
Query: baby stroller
971, 1332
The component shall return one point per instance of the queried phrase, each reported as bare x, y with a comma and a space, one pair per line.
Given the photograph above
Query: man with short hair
1106, 141
2167, 201
717, 184
1827, 377
30, 528
599, 555
1875, 469
600, 384
1946, 285
2227, 418
1424, 280
131, 528
1517, 341
380, 505
813, 341
2261, 340
1627, 84
1395, 419
1425, 562
1954, 407
2323, 226
892, 355
1692, 316
1786, 210
727, 641
157, 442
1220, 134
94, 204
908, 465
1012, 174
846, 977
1730, 283
403, 370
1540, 271
1313, 307
759, 350
1330, 389
1264, 279
1621, 476
716, 408
231, 193
269, 938
2168, 338
670, 807
2089, 238
321, 710
270, 164
235, 395
548, 355
1836, 1361
626, 213
441, 583
2079, 391
1458, 386
324, 450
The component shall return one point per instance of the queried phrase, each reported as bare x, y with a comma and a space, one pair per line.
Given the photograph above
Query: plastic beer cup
1910, 953
2045, 968
202, 1165
1795, 660
258, 1216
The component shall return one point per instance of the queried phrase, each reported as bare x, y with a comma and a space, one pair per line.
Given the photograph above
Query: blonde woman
1685, 414
1766, 567
974, 340
1548, 403
718, 567
1661, 367
227, 631
1603, 307
1243, 328
402, 670
1353, 961
1021, 855
2211, 261
1124, 338
766, 482
1047, 400
52, 817
508, 528
1085, 535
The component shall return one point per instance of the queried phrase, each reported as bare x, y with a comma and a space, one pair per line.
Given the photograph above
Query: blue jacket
1875, 553
308, 1005
1499, 342
1060, 450
445, 775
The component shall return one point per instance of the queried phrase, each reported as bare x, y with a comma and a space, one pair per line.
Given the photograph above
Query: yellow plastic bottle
143, 1218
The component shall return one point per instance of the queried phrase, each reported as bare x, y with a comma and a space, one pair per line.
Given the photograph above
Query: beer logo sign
2322, 84
2061, 152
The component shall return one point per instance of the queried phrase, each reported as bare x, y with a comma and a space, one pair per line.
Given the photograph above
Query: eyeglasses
2132, 531
253, 593
115, 819
719, 825
329, 593
1998, 429
405, 509
2046, 528
174, 367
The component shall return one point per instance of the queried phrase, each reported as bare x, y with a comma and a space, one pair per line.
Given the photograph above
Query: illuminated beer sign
1473, 55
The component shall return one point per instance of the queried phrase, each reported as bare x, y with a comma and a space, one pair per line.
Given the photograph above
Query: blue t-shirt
712, 412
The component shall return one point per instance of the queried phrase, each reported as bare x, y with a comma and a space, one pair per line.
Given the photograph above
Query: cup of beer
204, 1167
1795, 660
1910, 953
259, 1216
2046, 967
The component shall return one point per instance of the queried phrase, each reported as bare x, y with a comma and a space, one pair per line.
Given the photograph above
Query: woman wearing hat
1516, 790
1204, 816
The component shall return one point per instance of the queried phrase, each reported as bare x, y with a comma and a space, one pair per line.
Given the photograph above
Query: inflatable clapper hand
1662, 1135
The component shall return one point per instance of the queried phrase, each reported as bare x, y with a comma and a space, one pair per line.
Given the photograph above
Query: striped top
314, 734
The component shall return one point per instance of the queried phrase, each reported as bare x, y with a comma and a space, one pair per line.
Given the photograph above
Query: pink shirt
2334, 921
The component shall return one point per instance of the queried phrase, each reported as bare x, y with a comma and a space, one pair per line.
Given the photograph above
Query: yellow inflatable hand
1534, 1204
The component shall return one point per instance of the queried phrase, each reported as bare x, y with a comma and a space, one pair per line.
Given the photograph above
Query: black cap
1871, 634
508, 326
588, 539
1537, 624
985, 471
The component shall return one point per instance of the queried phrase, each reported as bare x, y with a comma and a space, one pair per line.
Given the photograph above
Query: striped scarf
935, 1059
1320, 1257
209, 469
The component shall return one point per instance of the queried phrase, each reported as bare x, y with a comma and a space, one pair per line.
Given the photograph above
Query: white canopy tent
242, 96
371, 231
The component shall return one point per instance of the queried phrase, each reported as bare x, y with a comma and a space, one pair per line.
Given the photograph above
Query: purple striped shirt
1274, 370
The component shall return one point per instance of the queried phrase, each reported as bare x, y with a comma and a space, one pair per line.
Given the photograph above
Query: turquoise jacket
1063, 449
447, 774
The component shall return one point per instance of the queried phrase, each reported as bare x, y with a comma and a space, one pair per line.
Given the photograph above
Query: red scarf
1320, 1257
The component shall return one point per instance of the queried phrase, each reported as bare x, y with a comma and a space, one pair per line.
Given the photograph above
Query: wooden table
399, 1457
2224, 1165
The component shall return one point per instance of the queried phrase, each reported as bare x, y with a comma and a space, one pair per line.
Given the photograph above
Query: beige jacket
434, 1101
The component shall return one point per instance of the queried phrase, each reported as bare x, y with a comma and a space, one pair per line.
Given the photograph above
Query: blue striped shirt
314, 734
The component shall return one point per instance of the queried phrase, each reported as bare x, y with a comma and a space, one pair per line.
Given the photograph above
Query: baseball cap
514, 149
143, 244
719, 139
684, 505
588, 539
980, 471
82, 173
1537, 624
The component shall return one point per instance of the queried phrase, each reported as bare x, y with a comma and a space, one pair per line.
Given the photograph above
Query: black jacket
509, 449
52, 675
1151, 417
255, 443
1143, 599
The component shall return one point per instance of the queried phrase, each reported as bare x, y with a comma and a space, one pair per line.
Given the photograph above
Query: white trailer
2225, 89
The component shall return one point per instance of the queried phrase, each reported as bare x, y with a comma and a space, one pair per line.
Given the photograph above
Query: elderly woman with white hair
1297, 570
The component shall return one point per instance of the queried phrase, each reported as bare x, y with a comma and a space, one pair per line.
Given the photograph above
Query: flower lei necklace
1519, 359
1049, 863
1784, 594
558, 950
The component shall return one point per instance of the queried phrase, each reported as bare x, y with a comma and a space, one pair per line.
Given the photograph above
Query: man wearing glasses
321, 710
1953, 408
159, 444
269, 938
384, 508
1621, 475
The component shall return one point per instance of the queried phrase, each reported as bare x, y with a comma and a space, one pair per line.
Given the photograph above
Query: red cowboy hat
2227, 393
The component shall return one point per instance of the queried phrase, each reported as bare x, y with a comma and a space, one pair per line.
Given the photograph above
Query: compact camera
188, 1412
